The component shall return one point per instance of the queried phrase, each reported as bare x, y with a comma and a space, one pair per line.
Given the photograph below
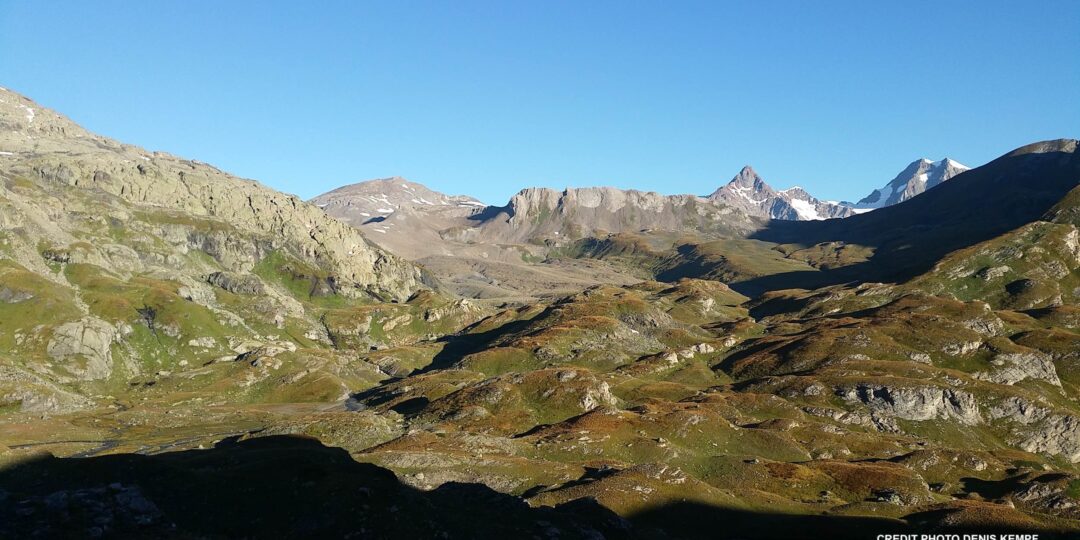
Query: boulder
89, 340
244, 284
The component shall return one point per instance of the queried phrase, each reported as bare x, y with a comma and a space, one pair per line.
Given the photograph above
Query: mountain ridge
919, 176
171, 336
49, 148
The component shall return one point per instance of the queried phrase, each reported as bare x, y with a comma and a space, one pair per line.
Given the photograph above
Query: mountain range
493, 251
189, 354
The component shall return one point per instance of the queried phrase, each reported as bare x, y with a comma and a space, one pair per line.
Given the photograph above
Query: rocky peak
919, 176
749, 178
750, 193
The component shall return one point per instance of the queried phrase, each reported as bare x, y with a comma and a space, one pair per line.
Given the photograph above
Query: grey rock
85, 347
12, 296
915, 179
1011, 368
245, 284
749, 193
1058, 435
916, 403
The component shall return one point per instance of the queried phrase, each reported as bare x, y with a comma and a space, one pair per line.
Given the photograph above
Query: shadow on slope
293, 487
908, 238
272, 487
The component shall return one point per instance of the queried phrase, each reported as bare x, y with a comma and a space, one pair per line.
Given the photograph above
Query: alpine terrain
189, 354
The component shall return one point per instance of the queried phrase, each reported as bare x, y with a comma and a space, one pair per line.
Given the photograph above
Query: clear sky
485, 98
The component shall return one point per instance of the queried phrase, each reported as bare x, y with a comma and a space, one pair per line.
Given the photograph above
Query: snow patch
741, 191
805, 209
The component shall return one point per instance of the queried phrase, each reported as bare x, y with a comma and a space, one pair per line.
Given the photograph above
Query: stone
916, 403
89, 340
1011, 368
243, 284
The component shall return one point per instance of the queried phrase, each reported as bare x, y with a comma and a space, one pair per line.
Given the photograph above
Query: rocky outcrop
553, 215
237, 283
1038, 428
1011, 368
194, 205
84, 347
915, 403
31, 393
12, 296
1058, 435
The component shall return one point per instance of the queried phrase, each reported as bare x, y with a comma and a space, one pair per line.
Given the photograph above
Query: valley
189, 354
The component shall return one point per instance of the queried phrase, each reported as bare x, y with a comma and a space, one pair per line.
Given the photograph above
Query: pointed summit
750, 193
747, 177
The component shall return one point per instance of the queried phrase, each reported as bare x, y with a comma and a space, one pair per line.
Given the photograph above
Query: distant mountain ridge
373, 199
749, 193
915, 179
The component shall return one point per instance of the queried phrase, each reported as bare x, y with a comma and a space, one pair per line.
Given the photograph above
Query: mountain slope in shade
749, 192
916, 178
907, 239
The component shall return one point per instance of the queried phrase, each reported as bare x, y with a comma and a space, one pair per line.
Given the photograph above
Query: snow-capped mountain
749, 193
916, 178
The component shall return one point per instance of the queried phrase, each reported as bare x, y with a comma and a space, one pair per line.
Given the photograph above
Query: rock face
487, 251
84, 348
252, 220
575, 213
749, 193
915, 179
1011, 368
236, 283
916, 403
100, 240
1057, 435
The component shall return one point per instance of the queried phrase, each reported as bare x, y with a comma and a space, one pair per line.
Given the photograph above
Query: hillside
187, 354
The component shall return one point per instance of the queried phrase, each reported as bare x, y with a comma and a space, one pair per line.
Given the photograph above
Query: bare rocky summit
914, 180
749, 193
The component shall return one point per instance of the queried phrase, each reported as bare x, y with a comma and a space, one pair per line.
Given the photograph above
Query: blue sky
485, 98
